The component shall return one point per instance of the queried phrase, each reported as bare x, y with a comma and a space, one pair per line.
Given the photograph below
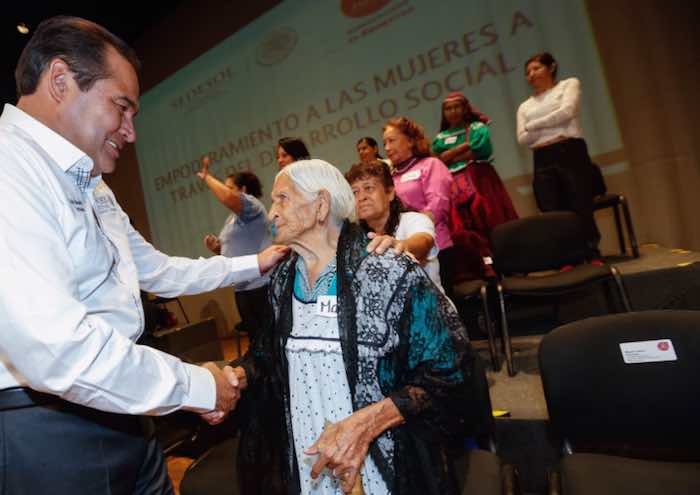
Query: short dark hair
295, 147
545, 58
250, 181
80, 43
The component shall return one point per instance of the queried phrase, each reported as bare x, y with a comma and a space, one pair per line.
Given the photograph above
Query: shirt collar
67, 156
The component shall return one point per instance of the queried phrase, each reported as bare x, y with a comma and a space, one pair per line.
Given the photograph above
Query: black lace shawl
416, 347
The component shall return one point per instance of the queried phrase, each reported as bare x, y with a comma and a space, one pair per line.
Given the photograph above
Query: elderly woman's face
398, 146
291, 212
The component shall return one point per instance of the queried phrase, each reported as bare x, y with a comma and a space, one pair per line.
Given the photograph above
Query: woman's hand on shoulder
381, 242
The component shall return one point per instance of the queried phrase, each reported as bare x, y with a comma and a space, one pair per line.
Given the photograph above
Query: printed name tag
451, 140
648, 351
327, 306
408, 177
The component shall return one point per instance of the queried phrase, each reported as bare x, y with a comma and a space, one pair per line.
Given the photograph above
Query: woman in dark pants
548, 123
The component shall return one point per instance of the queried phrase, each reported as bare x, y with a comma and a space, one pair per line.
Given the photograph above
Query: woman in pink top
423, 184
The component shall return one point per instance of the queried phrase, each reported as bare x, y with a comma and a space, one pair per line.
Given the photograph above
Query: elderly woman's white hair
312, 176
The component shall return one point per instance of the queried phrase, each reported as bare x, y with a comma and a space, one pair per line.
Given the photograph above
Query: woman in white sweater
548, 123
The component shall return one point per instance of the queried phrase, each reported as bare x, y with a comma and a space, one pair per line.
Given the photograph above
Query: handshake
229, 383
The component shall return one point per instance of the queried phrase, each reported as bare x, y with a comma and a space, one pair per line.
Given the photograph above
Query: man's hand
380, 243
204, 171
270, 256
212, 243
227, 393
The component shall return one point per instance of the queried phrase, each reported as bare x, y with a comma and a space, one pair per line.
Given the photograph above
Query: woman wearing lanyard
548, 123
422, 183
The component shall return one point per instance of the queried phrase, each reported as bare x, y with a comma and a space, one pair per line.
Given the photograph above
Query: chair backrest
542, 242
598, 400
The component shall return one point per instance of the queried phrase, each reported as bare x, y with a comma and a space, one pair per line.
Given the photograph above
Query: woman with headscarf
363, 353
464, 144
548, 123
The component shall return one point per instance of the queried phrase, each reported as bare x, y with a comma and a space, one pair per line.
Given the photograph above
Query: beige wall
649, 50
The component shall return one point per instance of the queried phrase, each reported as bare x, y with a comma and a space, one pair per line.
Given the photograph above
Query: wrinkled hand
227, 393
212, 243
342, 448
270, 256
380, 243
202, 174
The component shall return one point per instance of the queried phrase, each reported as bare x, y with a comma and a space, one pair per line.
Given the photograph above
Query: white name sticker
410, 176
327, 306
451, 140
648, 351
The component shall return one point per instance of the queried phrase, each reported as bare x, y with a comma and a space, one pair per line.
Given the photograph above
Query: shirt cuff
245, 268
201, 396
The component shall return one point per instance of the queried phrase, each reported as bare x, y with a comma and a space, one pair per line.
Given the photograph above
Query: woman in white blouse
548, 123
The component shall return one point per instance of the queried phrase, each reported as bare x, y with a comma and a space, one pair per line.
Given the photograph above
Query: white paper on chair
648, 351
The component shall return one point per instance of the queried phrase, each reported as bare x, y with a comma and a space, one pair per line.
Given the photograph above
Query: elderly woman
380, 211
362, 350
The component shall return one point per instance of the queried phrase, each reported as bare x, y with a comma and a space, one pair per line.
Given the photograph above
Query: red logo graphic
362, 8
663, 346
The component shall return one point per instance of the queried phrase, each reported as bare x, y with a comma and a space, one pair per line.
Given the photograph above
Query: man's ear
60, 79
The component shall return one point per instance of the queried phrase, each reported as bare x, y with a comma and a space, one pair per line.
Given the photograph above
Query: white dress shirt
550, 115
71, 267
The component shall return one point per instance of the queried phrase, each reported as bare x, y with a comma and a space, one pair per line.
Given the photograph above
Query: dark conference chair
603, 199
627, 427
544, 242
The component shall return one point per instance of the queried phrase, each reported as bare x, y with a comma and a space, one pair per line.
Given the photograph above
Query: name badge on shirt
327, 306
410, 176
451, 140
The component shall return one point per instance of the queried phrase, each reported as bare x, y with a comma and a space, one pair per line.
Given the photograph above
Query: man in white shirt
71, 378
